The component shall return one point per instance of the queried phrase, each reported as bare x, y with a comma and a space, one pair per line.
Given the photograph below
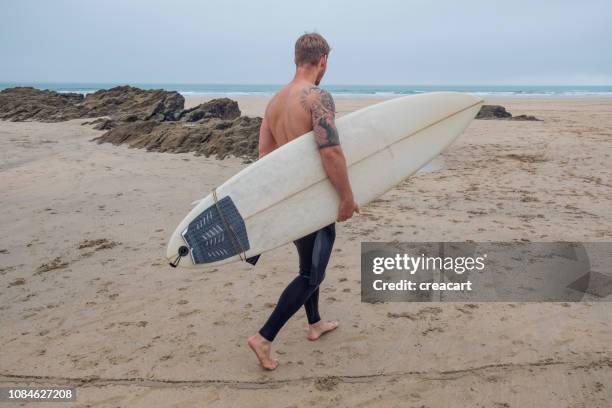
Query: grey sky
374, 42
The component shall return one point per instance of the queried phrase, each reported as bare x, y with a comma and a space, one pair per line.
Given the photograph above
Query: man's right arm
321, 106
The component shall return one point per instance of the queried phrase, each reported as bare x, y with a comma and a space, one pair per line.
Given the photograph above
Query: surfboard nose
462, 97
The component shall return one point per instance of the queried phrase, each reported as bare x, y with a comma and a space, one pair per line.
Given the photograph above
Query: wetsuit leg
312, 307
305, 247
314, 251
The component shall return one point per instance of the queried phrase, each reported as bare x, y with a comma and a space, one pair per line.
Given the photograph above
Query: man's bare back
285, 114
296, 109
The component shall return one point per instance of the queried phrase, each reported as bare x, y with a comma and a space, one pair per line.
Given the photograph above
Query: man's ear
323, 61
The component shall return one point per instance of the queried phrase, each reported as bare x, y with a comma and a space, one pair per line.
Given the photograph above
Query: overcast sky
374, 42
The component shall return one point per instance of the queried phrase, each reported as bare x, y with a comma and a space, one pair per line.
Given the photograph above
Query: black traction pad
207, 234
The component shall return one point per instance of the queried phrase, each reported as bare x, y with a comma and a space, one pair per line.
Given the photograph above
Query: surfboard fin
253, 260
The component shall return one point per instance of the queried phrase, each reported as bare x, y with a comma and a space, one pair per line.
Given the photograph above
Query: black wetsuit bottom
314, 251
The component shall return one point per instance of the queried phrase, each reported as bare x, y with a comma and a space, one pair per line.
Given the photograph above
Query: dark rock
493, 112
214, 137
128, 132
26, 103
129, 104
122, 104
223, 108
103, 124
143, 119
525, 117
499, 112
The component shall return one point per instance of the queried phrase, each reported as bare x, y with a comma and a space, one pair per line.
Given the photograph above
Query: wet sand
86, 297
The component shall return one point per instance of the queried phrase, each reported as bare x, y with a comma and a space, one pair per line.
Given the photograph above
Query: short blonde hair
309, 49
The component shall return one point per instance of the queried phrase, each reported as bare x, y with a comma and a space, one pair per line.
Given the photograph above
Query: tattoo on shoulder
321, 106
317, 100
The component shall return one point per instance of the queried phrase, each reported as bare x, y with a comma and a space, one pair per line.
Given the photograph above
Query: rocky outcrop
26, 103
151, 119
222, 108
499, 112
493, 112
101, 124
129, 104
210, 137
121, 104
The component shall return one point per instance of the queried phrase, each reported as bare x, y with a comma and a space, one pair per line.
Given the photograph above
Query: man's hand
347, 208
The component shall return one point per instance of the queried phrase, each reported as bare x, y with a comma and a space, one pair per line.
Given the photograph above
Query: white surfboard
286, 194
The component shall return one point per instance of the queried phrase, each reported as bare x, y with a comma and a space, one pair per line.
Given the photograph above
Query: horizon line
118, 83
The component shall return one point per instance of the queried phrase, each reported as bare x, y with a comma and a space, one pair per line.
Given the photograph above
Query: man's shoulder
273, 103
315, 90
315, 97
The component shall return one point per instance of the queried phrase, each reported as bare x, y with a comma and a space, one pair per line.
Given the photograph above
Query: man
298, 108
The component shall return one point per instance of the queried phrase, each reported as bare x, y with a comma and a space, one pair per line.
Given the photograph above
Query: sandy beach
87, 299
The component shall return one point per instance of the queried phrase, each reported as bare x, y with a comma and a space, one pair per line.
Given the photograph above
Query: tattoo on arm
323, 111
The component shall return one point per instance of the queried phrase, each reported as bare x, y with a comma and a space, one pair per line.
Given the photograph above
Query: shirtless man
298, 108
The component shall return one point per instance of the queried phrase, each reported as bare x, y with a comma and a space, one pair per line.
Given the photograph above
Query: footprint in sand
428, 312
141, 323
57, 263
98, 244
17, 282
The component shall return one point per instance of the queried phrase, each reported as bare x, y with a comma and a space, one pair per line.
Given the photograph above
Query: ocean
339, 90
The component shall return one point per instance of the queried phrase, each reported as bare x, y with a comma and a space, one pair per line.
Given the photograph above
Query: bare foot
320, 328
262, 348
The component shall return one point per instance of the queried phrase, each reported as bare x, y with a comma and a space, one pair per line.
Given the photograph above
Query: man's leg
316, 327
317, 264
312, 307
292, 298
296, 293
290, 301
314, 251
313, 247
